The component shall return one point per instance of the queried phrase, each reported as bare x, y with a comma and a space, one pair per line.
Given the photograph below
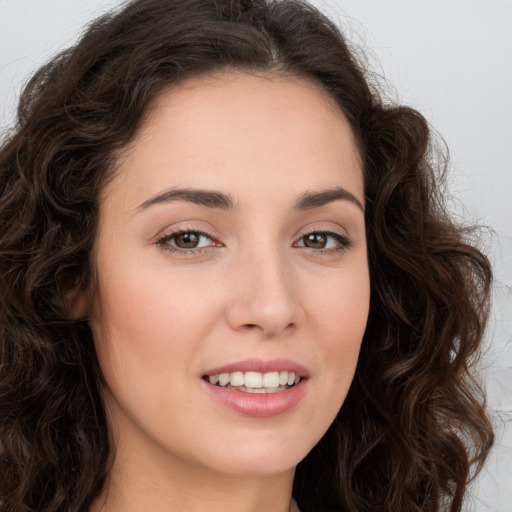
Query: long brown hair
413, 425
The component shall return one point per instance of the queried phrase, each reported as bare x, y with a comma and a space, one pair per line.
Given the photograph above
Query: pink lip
262, 366
256, 404
262, 405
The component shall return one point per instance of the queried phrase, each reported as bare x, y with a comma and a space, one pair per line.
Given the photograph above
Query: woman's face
231, 248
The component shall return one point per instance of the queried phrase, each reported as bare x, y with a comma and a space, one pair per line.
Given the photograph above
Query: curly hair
413, 429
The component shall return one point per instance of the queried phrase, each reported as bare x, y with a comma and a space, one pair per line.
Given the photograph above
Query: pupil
315, 240
187, 240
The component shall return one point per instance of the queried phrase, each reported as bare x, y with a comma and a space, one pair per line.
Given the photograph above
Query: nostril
250, 327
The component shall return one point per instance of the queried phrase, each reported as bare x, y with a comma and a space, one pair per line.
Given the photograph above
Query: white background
452, 60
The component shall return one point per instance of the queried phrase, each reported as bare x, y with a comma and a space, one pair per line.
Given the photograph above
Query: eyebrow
316, 199
216, 199
209, 198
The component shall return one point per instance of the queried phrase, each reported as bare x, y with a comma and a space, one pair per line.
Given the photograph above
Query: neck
178, 486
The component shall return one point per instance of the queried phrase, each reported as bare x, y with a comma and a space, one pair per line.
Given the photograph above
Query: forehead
236, 127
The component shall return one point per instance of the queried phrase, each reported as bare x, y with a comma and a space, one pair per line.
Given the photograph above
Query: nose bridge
266, 295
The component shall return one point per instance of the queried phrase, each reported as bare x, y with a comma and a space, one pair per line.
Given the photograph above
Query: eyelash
163, 242
344, 243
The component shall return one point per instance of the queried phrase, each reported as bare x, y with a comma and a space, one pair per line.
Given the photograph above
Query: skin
160, 318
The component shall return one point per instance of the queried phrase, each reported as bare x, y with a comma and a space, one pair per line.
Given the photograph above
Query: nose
265, 295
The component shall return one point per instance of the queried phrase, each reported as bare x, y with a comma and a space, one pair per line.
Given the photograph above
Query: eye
324, 240
186, 241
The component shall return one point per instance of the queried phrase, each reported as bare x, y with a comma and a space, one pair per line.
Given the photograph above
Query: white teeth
256, 382
224, 379
237, 379
252, 380
264, 390
271, 380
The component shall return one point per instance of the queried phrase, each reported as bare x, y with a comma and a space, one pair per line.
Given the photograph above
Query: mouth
255, 382
258, 387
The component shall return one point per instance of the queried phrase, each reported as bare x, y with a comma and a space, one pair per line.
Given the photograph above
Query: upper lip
261, 366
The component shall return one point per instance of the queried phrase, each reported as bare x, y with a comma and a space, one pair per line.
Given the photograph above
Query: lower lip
261, 405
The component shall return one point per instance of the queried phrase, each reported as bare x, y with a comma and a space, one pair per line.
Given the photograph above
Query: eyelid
163, 241
344, 241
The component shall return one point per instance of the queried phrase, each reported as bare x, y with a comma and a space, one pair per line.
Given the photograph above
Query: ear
77, 305
77, 301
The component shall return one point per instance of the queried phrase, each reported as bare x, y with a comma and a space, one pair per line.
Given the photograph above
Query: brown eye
187, 240
324, 241
315, 240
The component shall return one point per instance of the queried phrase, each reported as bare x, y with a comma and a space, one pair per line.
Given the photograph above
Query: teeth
224, 379
271, 380
255, 381
237, 379
252, 380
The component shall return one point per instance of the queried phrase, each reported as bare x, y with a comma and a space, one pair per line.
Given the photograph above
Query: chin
257, 457
261, 467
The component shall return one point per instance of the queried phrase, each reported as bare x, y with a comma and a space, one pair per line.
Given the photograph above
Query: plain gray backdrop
450, 59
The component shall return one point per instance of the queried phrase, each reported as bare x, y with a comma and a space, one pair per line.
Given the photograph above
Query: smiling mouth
255, 382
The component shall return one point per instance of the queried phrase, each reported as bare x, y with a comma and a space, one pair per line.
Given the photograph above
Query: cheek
339, 321
341, 307
140, 298
146, 336
145, 324
337, 314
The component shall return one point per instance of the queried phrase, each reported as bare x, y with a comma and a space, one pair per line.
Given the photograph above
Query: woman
228, 278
